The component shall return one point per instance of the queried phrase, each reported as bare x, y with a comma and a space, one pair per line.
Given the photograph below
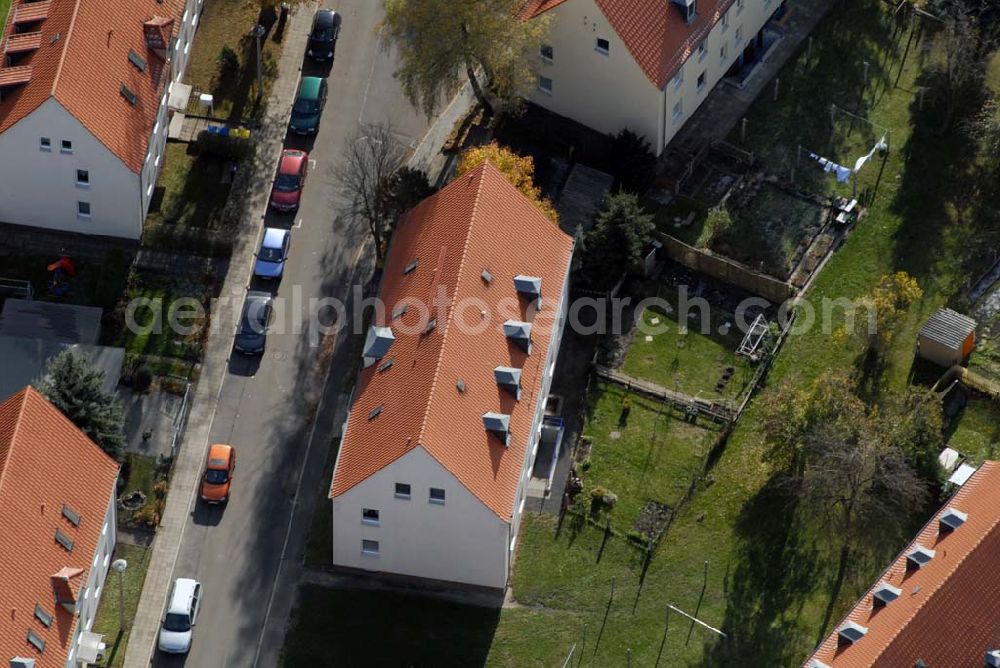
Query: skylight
129, 95
71, 515
64, 540
136, 60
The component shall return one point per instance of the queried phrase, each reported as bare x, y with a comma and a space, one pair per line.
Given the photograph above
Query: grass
771, 567
4, 8
669, 218
106, 621
977, 430
690, 362
165, 300
319, 550
653, 458
336, 627
190, 191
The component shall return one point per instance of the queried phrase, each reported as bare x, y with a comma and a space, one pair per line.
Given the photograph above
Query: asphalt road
266, 406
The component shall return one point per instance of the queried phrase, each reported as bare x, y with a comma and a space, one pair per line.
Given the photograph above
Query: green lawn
4, 7
670, 218
106, 622
165, 299
771, 568
190, 190
652, 457
977, 431
352, 628
681, 357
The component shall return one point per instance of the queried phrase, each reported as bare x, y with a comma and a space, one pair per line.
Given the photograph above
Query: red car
291, 177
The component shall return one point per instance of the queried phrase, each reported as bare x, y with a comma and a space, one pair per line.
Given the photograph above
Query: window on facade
739, 6
402, 490
701, 81
738, 35
723, 52
702, 49
83, 209
436, 495
67, 146
82, 177
369, 548
45, 143
678, 110
678, 79
369, 516
545, 50
725, 22
545, 84
603, 46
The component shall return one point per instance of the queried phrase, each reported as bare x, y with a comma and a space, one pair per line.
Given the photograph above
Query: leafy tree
632, 162
961, 70
614, 246
912, 421
74, 386
438, 40
886, 307
519, 170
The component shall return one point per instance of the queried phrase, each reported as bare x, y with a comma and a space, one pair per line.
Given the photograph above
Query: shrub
637, 537
631, 161
585, 464
229, 64
602, 498
224, 146
160, 489
142, 378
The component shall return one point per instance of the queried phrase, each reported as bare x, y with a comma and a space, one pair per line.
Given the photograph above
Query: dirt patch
653, 519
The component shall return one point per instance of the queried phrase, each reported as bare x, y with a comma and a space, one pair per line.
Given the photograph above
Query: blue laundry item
843, 174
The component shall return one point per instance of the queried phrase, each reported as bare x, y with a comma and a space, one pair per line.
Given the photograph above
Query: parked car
308, 106
183, 604
290, 179
324, 33
273, 252
252, 334
218, 473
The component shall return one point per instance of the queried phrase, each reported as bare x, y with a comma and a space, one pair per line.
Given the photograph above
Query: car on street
218, 476
251, 337
308, 106
273, 252
324, 33
182, 614
291, 177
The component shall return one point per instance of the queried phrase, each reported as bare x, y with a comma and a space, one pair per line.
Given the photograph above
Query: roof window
129, 95
850, 632
918, 556
885, 594
951, 519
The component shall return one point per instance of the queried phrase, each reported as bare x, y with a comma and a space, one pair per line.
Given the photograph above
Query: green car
308, 105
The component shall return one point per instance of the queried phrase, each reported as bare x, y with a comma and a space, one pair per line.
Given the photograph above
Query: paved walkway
726, 104
187, 468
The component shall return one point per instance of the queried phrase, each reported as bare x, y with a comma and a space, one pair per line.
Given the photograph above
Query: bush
637, 537
142, 378
224, 146
229, 64
160, 489
632, 162
602, 498
585, 464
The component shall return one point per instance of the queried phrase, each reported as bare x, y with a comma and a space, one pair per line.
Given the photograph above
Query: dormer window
498, 425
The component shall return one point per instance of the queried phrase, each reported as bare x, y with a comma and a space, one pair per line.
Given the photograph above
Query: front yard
106, 622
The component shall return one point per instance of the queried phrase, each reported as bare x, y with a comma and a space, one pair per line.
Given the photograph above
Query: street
267, 406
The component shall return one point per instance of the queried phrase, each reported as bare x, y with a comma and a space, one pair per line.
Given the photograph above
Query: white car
182, 615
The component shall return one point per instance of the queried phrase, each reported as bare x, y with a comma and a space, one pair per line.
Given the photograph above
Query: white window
107, 558
701, 82
44, 143
97, 594
149, 190
83, 209
738, 36
725, 22
104, 529
723, 52
545, 85
83, 178
702, 50
67, 146
402, 491
678, 78
603, 46
187, 47
678, 110
370, 516
436, 495
739, 6
156, 128
369, 548
156, 163
546, 52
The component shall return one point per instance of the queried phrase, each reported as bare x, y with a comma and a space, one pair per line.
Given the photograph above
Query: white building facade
589, 72
90, 594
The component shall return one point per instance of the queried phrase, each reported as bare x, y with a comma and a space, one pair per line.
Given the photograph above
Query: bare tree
371, 160
961, 69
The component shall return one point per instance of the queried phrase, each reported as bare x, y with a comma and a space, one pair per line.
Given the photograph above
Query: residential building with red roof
57, 516
645, 65
84, 109
444, 427
938, 602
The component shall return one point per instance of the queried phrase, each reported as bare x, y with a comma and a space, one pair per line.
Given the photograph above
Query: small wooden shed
947, 338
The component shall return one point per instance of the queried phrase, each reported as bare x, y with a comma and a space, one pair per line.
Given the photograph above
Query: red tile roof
82, 62
45, 462
656, 34
478, 222
948, 612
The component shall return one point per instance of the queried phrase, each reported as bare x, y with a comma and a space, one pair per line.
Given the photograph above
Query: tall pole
119, 566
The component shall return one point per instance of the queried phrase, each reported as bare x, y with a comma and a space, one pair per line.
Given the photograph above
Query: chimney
377, 344
158, 31
63, 588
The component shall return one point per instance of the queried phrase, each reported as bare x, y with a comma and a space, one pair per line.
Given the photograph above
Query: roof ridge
65, 49
451, 310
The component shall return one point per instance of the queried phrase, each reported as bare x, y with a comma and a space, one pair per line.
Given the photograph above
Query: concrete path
280, 410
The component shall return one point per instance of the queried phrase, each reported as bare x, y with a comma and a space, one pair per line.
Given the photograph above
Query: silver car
182, 614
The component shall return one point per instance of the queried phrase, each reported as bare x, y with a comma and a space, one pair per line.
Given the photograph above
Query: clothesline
843, 173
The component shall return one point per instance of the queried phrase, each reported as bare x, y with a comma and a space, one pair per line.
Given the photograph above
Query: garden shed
947, 338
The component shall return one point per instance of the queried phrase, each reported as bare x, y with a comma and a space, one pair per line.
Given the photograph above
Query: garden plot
770, 229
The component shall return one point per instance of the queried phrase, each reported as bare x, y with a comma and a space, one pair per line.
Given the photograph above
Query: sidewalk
187, 468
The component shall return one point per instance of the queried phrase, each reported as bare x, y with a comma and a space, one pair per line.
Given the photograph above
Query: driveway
267, 406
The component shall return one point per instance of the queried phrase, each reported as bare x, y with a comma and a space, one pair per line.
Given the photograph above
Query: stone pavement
726, 104
187, 467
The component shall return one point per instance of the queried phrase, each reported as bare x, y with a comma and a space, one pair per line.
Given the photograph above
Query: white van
182, 615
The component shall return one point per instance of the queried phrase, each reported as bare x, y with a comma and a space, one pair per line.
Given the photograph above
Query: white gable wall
459, 541
39, 188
